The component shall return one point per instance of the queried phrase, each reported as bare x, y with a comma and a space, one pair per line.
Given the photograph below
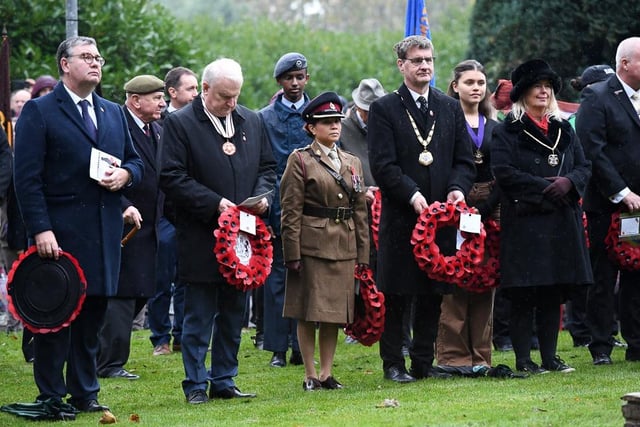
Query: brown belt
338, 214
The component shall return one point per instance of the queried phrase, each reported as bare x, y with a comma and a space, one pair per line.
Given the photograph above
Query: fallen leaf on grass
107, 418
134, 418
388, 403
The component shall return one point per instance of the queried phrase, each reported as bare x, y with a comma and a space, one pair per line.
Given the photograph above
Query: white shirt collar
136, 119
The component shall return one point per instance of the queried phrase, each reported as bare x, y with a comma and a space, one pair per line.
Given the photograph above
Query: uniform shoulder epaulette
305, 148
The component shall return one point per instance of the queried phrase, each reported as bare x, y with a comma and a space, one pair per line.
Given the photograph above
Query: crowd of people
312, 168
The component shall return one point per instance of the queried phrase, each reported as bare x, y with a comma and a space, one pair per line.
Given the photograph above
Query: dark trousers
425, 330
77, 347
158, 306
278, 331
218, 308
115, 335
600, 296
576, 316
501, 314
542, 305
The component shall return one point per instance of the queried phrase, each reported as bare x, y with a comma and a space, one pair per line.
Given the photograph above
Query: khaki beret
144, 84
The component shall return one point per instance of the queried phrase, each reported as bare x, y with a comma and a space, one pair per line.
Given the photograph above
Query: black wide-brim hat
44, 293
529, 73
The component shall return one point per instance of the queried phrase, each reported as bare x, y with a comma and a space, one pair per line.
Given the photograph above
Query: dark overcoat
138, 266
53, 188
196, 174
393, 156
609, 129
541, 242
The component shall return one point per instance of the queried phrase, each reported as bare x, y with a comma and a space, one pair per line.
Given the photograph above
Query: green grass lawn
590, 396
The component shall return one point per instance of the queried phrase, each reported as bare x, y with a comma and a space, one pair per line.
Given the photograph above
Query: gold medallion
229, 148
425, 158
477, 157
553, 160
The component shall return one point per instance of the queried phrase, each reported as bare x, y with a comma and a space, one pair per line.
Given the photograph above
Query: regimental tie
146, 130
635, 100
424, 106
333, 155
88, 122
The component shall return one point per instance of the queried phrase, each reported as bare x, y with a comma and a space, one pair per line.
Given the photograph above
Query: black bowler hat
529, 73
323, 106
44, 293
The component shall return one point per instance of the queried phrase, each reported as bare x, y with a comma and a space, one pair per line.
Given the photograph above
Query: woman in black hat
541, 169
325, 236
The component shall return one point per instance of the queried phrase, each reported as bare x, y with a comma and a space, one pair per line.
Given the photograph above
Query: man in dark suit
142, 207
64, 208
609, 128
420, 152
215, 154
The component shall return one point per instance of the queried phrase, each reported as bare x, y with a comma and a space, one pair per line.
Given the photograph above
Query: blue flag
417, 23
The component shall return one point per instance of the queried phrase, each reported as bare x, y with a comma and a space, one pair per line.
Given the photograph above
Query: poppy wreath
446, 268
625, 253
376, 207
245, 260
368, 324
486, 275
82, 294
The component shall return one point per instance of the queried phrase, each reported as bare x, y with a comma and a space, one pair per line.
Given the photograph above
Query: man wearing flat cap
142, 209
284, 125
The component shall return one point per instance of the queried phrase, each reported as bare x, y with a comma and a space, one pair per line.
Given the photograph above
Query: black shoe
279, 359
434, 372
581, 342
398, 375
296, 358
311, 384
428, 372
196, 397
503, 345
530, 367
602, 359
120, 373
331, 384
90, 405
617, 343
558, 365
230, 393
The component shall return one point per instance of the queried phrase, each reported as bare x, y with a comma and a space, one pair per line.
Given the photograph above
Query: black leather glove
558, 188
294, 265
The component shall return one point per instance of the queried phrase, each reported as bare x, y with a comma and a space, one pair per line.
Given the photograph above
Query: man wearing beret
64, 209
420, 153
284, 126
142, 207
608, 126
215, 155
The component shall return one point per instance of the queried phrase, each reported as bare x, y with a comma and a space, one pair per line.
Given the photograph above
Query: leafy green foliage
568, 35
142, 37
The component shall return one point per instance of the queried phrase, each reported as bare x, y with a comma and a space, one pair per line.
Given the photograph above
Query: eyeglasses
419, 60
89, 58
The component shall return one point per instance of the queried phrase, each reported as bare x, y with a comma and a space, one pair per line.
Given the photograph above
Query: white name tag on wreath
629, 226
248, 223
470, 223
